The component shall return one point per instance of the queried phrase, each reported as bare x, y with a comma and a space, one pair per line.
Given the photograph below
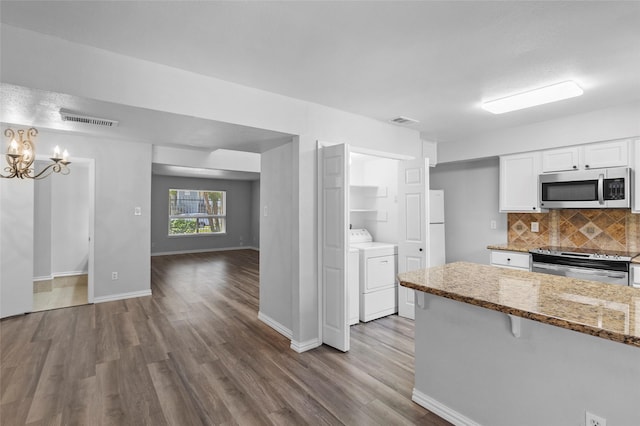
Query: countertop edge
507, 247
545, 319
522, 249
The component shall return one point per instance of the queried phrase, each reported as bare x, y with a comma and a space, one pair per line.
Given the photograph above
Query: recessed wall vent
86, 119
403, 120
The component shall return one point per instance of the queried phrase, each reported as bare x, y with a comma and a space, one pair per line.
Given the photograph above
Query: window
195, 212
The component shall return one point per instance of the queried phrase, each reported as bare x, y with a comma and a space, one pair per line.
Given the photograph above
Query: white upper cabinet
584, 157
606, 154
636, 183
519, 182
561, 159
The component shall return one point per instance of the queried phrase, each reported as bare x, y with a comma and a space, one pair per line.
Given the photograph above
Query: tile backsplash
606, 229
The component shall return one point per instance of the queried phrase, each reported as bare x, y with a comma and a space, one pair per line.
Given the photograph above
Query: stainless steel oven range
597, 265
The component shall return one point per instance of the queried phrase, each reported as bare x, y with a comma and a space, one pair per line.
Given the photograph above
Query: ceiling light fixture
21, 154
544, 95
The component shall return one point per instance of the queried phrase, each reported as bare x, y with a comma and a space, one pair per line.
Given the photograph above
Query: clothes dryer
378, 267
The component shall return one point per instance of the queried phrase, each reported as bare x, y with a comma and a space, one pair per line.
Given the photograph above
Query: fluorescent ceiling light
544, 95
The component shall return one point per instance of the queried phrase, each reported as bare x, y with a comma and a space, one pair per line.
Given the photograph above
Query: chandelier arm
51, 168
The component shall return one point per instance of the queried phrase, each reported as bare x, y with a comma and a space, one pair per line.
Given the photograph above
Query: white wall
219, 159
255, 214
239, 215
470, 204
16, 246
70, 222
42, 228
276, 236
97, 74
61, 241
617, 122
122, 182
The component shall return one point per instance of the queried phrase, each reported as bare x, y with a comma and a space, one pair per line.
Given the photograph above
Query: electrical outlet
114, 275
493, 224
593, 420
534, 227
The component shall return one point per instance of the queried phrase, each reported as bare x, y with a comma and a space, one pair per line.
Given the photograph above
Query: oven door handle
601, 188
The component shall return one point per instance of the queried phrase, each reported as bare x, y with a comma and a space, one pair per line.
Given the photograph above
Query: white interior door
334, 213
413, 209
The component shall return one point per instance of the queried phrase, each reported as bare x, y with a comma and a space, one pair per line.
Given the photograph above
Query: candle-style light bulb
13, 147
65, 155
56, 152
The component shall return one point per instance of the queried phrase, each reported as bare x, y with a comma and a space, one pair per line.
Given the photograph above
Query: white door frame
319, 164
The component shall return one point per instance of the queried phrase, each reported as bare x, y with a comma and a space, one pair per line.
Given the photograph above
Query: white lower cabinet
511, 259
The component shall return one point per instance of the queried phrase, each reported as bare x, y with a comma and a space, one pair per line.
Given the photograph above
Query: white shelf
362, 210
364, 186
370, 191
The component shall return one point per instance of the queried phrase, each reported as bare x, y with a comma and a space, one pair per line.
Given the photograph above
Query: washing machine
378, 265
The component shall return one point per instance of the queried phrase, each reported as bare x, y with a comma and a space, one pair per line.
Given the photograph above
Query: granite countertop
605, 310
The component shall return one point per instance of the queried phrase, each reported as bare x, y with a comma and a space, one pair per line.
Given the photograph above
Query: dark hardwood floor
195, 353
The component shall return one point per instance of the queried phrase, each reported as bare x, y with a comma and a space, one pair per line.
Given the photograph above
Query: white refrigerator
436, 227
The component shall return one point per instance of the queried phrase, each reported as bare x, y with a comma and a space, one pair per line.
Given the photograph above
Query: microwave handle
601, 188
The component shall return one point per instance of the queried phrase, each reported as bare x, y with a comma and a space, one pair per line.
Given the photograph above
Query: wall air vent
403, 120
81, 118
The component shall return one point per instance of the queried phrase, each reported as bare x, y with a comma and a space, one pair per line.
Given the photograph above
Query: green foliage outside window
196, 212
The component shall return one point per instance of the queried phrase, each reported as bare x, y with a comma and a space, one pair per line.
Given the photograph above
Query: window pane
196, 212
182, 226
210, 225
196, 203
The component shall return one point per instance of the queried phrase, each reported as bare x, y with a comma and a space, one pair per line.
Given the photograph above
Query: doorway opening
63, 243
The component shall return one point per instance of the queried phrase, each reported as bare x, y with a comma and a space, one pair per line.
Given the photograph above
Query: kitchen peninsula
498, 346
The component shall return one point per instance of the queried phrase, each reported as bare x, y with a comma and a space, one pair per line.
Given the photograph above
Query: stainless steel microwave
588, 189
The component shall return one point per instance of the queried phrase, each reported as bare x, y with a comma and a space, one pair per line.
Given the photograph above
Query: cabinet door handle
575, 167
420, 248
534, 208
586, 166
508, 259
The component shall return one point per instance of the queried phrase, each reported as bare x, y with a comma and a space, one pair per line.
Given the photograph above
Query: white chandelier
21, 154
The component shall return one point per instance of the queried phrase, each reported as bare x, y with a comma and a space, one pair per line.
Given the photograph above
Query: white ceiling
434, 61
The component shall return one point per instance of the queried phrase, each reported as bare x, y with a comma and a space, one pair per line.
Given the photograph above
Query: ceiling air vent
81, 118
403, 120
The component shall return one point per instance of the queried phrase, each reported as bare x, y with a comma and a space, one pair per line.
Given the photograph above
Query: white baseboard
275, 325
169, 253
121, 296
60, 274
305, 346
438, 408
